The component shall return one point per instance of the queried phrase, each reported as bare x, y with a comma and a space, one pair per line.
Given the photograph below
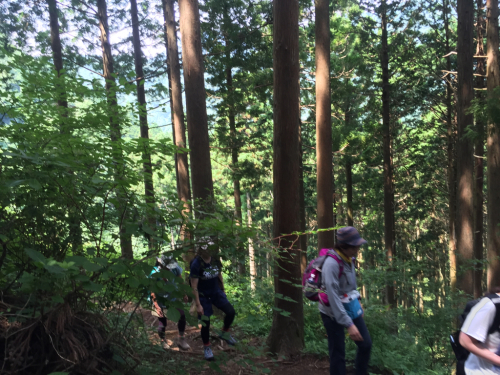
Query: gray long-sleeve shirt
336, 288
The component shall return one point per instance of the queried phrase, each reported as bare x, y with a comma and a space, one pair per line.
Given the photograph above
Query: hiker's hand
159, 310
354, 333
199, 309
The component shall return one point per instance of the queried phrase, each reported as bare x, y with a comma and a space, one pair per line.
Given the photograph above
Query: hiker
168, 263
335, 317
480, 335
208, 289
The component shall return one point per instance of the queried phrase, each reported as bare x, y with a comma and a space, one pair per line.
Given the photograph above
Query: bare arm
194, 285
476, 347
157, 307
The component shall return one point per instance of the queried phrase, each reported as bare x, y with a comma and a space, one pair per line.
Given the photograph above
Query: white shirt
476, 325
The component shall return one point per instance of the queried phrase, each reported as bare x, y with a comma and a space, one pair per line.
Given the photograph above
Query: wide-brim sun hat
204, 243
350, 236
167, 261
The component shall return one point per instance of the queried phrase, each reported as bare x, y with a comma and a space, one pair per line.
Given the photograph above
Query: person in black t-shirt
208, 290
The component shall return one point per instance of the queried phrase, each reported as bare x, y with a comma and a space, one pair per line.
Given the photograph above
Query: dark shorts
218, 299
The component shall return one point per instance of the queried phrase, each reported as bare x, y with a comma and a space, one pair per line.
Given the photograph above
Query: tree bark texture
232, 134
451, 156
387, 152
143, 118
348, 176
169, 27
478, 159
251, 250
55, 44
115, 129
493, 148
323, 126
234, 155
465, 222
183, 185
75, 231
177, 114
196, 111
335, 200
287, 332
302, 204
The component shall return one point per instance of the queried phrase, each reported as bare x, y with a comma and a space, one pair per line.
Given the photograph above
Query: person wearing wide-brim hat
339, 279
208, 289
168, 263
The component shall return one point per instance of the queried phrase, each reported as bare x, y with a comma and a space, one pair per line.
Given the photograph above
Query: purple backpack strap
339, 261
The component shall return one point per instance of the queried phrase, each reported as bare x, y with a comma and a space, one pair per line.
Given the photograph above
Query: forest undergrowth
95, 181
403, 342
120, 338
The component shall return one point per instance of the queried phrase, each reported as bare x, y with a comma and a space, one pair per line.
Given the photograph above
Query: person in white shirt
482, 342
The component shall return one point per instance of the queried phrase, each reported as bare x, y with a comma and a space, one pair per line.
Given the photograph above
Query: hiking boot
164, 345
209, 355
226, 336
182, 343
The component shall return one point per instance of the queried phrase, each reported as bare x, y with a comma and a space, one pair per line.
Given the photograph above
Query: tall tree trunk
323, 126
287, 332
194, 83
251, 250
234, 153
169, 27
493, 145
302, 205
269, 254
478, 160
178, 126
143, 121
348, 177
75, 232
176, 107
115, 129
465, 222
451, 156
55, 43
335, 199
388, 178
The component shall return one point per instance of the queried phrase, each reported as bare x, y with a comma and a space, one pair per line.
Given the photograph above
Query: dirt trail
232, 361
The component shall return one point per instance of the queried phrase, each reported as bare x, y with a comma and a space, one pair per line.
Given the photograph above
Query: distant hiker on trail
480, 335
168, 263
208, 290
343, 310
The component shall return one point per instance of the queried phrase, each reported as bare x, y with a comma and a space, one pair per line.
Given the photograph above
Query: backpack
460, 352
313, 288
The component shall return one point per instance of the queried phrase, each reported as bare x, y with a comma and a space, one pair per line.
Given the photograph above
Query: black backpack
460, 352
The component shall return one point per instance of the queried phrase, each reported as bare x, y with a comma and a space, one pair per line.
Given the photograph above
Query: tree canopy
131, 129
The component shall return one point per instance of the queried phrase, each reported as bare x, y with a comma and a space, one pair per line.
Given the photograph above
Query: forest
131, 129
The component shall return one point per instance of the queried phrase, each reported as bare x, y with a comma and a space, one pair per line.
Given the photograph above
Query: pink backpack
312, 286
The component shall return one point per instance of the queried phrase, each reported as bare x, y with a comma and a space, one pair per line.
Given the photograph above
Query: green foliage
254, 308
60, 192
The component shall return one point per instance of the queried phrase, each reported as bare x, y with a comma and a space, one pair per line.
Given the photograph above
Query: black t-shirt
207, 273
